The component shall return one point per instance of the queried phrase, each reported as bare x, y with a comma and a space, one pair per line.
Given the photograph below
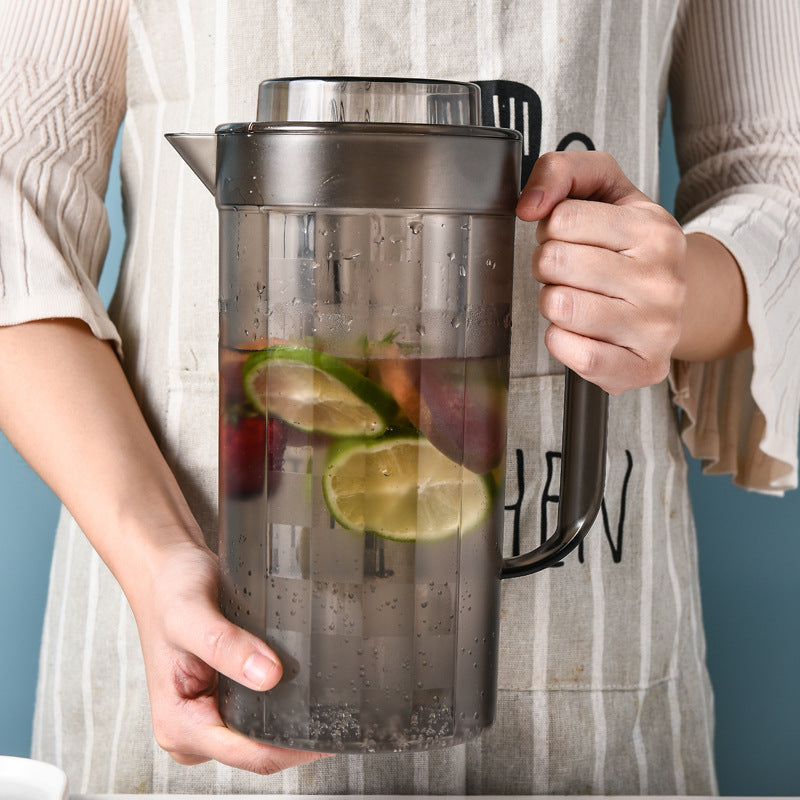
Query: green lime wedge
403, 488
316, 392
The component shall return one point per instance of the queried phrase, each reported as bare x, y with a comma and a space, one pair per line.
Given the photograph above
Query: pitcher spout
199, 151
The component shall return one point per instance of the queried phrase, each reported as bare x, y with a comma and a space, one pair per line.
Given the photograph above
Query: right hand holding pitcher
624, 288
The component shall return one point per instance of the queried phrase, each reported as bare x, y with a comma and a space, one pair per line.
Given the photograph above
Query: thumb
577, 174
204, 632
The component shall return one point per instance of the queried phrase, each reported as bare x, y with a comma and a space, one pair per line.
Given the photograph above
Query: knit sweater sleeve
62, 83
735, 90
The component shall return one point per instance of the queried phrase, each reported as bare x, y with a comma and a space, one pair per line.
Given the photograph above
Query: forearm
66, 406
714, 322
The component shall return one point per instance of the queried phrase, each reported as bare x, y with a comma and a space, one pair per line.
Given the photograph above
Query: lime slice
315, 391
403, 488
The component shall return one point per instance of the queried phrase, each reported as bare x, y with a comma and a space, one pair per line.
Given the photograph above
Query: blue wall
749, 548
749, 557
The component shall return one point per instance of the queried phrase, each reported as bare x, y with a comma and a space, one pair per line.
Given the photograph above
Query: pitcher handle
583, 470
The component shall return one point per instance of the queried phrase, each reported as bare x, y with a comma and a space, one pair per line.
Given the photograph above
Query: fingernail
259, 670
532, 198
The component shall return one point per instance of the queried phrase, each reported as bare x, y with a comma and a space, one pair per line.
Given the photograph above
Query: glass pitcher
366, 254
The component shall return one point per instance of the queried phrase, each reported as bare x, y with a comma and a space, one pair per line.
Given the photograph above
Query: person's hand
613, 265
186, 641
127, 501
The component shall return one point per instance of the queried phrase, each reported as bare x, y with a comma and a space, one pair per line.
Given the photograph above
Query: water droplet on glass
416, 227
451, 256
462, 270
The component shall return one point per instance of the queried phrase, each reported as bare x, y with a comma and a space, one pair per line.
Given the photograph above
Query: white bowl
26, 779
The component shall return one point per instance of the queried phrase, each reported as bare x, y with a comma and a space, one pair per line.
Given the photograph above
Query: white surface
390, 797
25, 779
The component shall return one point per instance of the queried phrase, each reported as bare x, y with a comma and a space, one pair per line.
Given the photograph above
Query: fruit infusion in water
361, 521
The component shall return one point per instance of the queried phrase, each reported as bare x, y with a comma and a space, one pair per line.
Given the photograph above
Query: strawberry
243, 443
249, 445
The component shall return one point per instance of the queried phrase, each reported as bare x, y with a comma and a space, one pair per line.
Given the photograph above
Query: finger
612, 368
588, 222
587, 314
195, 733
207, 634
580, 174
586, 267
237, 750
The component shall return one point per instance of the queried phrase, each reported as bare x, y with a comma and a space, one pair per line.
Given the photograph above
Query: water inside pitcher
365, 552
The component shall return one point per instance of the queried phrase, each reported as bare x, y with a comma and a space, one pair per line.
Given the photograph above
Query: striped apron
602, 681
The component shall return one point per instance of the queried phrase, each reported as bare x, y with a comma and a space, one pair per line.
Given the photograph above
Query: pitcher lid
360, 99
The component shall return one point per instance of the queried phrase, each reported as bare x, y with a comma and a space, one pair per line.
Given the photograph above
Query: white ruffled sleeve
735, 89
62, 82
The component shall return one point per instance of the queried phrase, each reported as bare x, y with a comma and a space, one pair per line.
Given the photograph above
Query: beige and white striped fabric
603, 687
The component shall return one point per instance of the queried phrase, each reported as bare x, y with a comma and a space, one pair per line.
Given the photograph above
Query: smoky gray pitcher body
365, 299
